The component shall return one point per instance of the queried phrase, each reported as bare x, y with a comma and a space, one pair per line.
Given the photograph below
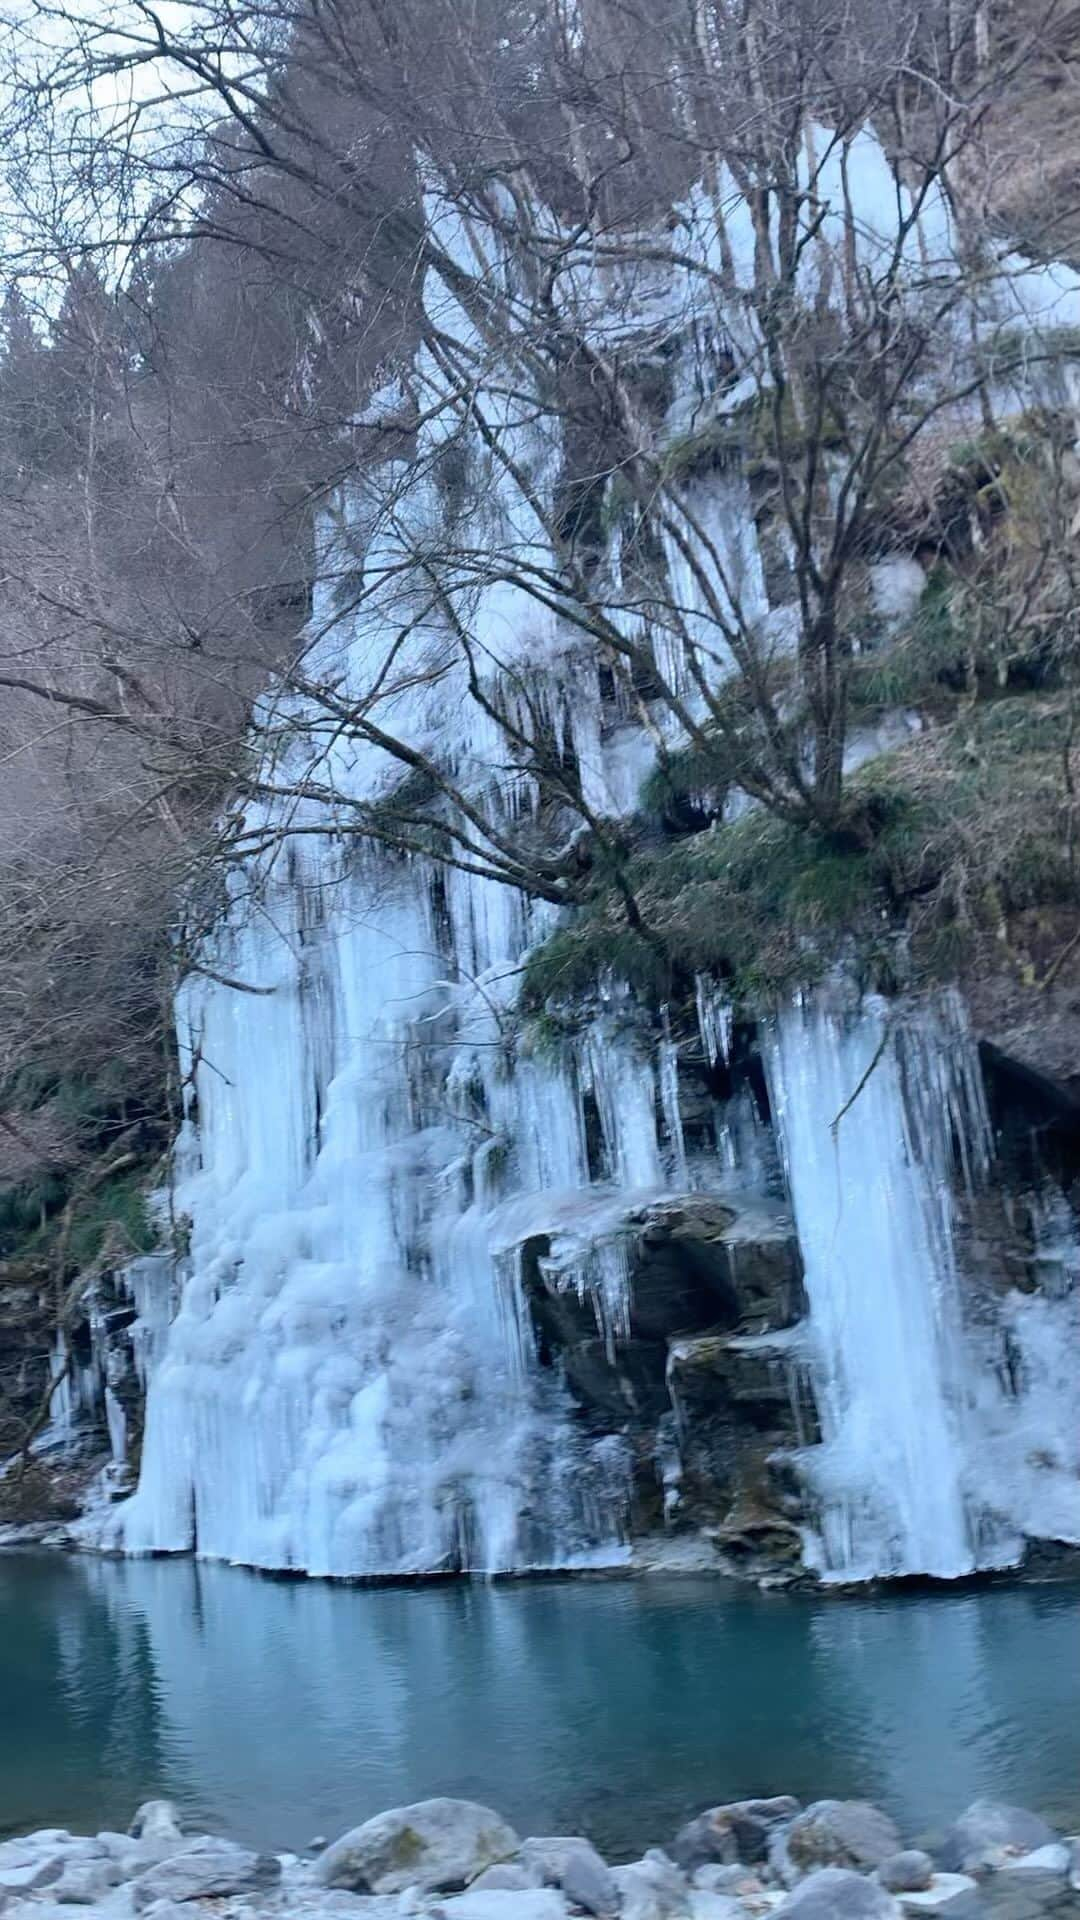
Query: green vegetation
947, 842
954, 852
111, 1220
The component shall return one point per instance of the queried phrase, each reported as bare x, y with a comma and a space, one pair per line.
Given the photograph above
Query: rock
84, 1883
841, 1833
908, 1872
628, 1383
738, 1881
740, 1830
715, 1906
990, 1833
166, 1910
156, 1820
439, 1846
206, 1868
1055, 1857
123, 1849
652, 1888
510, 1878
943, 1888
587, 1881
836, 1893
531, 1903
545, 1856
41, 1870
700, 1263
569, 1862
1073, 1843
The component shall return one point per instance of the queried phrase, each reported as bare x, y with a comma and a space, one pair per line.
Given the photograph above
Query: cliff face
586, 1154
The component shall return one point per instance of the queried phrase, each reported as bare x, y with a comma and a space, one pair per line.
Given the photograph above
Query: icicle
117, 1424
715, 1018
669, 1098
866, 1163
621, 1079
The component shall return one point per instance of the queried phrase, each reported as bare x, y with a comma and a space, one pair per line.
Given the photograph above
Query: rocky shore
455, 1860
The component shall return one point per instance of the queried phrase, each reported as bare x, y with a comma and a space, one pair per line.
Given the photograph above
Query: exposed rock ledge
748, 1859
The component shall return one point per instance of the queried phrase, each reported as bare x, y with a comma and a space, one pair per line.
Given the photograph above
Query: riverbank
458, 1860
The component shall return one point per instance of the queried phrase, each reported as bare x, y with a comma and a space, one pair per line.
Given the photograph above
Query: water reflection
276, 1710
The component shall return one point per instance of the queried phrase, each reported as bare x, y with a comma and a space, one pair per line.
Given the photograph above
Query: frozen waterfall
351, 1383
933, 1457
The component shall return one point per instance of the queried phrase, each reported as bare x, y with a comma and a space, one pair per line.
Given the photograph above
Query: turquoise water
278, 1710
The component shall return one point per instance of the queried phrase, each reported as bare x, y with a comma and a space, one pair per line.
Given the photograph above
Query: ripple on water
274, 1710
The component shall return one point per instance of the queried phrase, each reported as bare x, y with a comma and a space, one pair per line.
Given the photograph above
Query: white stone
530, 1903
943, 1888
438, 1845
652, 1888
1053, 1858
84, 1883
121, 1848
839, 1893
206, 1868
714, 1906
40, 1871
156, 1820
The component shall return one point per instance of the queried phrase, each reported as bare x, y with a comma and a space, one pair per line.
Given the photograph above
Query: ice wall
350, 1384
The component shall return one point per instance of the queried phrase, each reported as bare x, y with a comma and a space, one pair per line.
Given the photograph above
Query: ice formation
947, 1429
350, 1385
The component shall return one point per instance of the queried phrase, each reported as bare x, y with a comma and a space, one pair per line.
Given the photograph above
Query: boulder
989, 1834
438, 1846
156, 1820
652, 1889
910, 1871
587, 1882
545, 1856
124, 1850
207, 1868
573, 1864
738, 1831
84, 1882
34, 1867
841, 1833
835, 1893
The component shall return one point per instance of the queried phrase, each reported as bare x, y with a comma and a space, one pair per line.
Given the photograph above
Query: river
277, 1710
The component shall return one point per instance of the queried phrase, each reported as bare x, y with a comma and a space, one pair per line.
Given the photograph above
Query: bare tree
563, 304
